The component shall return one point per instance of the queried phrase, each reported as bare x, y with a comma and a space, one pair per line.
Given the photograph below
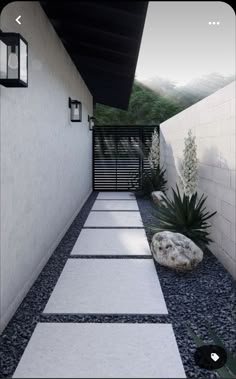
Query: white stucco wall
212, 121
46, 161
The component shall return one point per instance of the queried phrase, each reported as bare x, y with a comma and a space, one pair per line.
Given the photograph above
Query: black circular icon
210, 357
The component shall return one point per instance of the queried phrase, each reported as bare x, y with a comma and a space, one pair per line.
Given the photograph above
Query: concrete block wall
212, 121
46, 161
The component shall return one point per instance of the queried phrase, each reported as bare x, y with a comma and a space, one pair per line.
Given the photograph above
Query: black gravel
206, 294
108, 318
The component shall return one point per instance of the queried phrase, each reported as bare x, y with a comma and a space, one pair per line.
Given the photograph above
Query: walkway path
110, 271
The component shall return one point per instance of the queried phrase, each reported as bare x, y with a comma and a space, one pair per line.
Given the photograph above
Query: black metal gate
120, 153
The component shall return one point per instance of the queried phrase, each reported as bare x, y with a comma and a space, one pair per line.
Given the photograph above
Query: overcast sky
179, 44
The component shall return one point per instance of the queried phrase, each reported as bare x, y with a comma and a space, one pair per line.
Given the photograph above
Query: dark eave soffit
103, 39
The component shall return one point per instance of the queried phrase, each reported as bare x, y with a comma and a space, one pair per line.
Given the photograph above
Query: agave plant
185, 215
229, 369
153, 179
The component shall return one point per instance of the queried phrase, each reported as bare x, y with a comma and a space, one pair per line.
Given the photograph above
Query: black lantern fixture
91, 121
13, 60
75, 110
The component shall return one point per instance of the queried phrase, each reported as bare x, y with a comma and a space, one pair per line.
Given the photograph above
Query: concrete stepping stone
119, 286
70, 350
116, 195
115, 205
111, 242
114, 219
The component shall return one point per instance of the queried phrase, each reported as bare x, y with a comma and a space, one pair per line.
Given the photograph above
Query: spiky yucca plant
183, 215
153, 179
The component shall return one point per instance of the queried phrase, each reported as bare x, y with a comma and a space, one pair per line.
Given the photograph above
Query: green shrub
183, 215
153, 179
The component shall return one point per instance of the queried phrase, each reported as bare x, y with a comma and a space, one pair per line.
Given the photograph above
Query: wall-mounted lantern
13, 60
75, 110
91, 121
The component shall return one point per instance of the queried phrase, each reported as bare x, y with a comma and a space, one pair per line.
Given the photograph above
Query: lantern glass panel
92, 123
75, 110
13, 62
23, 61
3, 60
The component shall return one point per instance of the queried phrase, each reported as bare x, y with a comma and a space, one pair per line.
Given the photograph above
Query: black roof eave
103, 40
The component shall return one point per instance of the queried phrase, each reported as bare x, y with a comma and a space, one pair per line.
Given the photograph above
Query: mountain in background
192, 92
155, 101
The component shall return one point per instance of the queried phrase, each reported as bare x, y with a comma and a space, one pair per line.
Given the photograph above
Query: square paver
115, 205
70, 350
111, 242
116, 195
120, 286
114, 219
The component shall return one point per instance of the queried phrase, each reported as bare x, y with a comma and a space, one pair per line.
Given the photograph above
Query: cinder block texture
212, 121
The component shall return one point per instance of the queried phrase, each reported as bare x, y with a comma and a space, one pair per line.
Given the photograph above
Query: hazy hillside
145, 107
193, 91
156, 100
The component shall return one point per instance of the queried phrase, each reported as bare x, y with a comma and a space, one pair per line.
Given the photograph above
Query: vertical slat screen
118, 153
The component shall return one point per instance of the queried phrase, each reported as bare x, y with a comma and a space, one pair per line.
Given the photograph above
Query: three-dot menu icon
214, 23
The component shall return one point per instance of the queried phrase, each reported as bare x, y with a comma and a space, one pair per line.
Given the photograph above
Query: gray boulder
157, 196
175, 250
